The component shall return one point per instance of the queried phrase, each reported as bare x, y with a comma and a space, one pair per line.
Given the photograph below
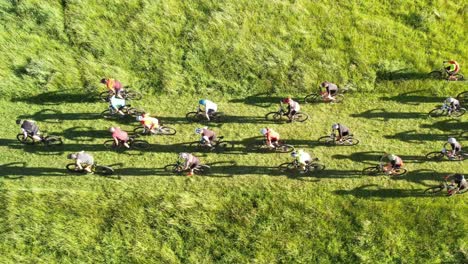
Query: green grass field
245, 55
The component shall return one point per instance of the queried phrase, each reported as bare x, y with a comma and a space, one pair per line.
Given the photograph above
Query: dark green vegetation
246, 55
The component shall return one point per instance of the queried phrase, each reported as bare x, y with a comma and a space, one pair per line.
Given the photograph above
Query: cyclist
452, 104
342, 130
293, 107
29, 127
456, 148
83, 160
302, 158
114, 86
271, 137
208, 137
116, 105
208, 107
119, 136
149, 123
394, 163
452, 67
189, 162
457, 183
331, 90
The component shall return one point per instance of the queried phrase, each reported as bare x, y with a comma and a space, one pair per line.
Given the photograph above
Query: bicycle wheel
202, 169
53, 140
459, 77
434, 190
350, 142
103, 170
27, 141
132, 95
109, 144
338, 99
371, 171
462, 97
287, 166
459, 112
134, 112
435, 156
175, 168
273, 116
107, 114
301, 117
437, 112
104, 96
71, 168
399, 172
326, 140
141, 131
316, 167
436, 74
167, 130
284, 148
313, 98
139, 144
193, 117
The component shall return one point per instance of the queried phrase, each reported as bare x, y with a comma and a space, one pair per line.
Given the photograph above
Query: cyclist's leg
125, 142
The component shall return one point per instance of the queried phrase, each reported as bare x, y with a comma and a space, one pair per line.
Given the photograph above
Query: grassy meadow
245, 55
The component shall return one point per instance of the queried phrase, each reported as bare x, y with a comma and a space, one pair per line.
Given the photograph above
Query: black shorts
194, 165
345, 133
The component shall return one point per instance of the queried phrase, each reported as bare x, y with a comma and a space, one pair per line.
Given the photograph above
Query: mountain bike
442, 74
443, 185
133, 143
444, 111
198, 116
110, 113
295, 166
463, 97
161, 130
178, 168
46, 140
348, 140
95, 168
378, 169
277, 147
321, 96
278, 116
440, 155
219, 145
126, 94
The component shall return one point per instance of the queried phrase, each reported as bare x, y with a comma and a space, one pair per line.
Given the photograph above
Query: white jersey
304, 157
295, 106
210, 105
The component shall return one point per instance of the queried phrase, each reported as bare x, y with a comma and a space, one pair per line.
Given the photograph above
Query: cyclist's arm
78, 164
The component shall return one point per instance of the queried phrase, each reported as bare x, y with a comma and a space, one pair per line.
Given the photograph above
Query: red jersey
120, 134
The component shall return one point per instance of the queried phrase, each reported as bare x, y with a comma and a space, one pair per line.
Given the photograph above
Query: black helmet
103, 80
19, 121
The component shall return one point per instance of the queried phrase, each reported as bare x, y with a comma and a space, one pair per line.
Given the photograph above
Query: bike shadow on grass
449, 125
373, 157
59, 97
84, 134
384, 115
405, 74
18, 170
375, 191
413, 136
264, 100
56, 116
413, 98
423, 177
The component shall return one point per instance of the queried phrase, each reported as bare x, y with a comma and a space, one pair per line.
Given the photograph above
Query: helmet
183, 155
198, 130
139, 118
71, 156
264, 131
324, 84
111, 129
202, 102
392, 157
449, 100
294, 154
287, 100
335, 126
103, 80
19, 121
452, 140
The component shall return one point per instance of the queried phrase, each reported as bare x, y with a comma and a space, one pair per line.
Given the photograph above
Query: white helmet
392, 157
112, 129
335, 126
264, 131
452, 140
139, 118
183, 155
449, 100
198, 130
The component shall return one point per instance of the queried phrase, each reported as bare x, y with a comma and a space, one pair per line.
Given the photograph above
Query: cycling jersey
120, 134
84, 158
453, 67
331, 88
272, 135
294, 106
208, 135
113, 85
397, 163
30, 127
209, 105
116, 102
150, 121
191, 162
343, 130
456, 146
303, 158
